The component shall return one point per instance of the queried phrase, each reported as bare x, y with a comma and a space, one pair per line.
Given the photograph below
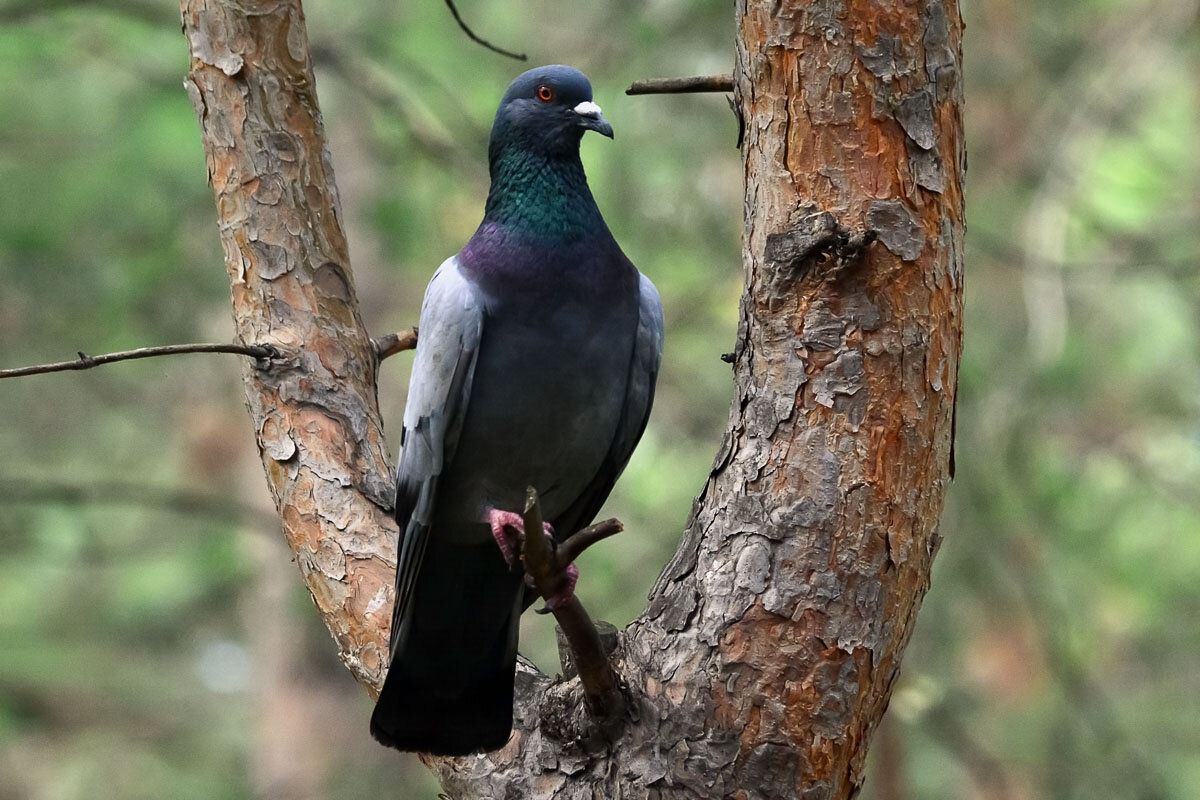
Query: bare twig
601, 689
84, 361
699, 83
581, 540
392, 343
471, 35
566, 658
384, 346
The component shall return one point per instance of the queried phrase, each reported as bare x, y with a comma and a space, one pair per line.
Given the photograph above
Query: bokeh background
154, 638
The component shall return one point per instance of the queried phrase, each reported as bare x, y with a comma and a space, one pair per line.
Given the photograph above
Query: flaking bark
314, 412
767, 651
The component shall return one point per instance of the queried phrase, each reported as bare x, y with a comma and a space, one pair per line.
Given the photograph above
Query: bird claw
501, 522
566, 589
507, 529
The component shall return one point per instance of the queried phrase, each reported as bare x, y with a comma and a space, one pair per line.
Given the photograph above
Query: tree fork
766, 654
546, 566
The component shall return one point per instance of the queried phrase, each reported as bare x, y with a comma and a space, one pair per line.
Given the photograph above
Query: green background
155, 640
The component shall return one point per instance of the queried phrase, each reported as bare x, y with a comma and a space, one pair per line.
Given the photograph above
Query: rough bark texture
766, 654
314, 410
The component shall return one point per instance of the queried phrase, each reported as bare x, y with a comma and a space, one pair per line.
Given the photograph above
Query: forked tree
767, 650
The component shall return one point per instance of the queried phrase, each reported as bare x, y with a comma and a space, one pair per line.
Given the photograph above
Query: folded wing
447, 346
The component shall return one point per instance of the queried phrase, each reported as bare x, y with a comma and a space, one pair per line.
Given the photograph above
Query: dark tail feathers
414, 715
449, 690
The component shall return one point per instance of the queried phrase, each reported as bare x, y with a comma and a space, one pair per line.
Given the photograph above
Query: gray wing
448, 343
639, 397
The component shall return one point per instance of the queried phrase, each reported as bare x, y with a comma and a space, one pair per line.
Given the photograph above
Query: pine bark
314, 410
766, 654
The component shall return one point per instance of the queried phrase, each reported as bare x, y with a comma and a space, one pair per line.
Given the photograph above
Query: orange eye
545, 94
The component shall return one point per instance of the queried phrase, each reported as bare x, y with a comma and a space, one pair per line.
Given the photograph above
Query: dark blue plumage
539, 349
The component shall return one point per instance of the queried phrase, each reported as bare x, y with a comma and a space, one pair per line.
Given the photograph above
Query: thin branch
392, 343
581, 540
601, 688
609, 635
84, 361
699, 83
383, 346
471, 35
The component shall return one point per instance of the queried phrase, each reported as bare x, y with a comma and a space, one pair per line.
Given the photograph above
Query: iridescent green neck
541, 196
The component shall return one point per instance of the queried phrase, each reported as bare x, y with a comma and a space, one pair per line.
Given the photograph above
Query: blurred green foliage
159, 645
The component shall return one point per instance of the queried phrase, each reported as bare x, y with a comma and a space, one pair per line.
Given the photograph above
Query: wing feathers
451, 326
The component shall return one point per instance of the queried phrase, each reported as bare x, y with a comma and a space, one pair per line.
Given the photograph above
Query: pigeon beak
590, 118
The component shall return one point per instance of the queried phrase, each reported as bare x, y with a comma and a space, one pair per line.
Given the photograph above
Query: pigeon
539, 349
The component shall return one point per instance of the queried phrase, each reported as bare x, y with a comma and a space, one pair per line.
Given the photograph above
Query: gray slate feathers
536, 363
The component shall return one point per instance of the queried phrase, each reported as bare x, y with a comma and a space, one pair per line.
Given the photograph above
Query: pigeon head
546, 111
539, 190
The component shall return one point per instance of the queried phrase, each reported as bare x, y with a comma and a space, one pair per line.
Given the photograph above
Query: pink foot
566, 590
507, 528
504, 525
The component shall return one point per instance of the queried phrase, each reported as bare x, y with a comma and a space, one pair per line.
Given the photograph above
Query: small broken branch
471, 35
581, 540
816, 236
384, 346
601, 688
392, 343
609, 636
699, 83
262, 352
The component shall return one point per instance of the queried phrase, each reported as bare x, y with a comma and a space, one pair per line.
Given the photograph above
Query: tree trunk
314, 410
766, 654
